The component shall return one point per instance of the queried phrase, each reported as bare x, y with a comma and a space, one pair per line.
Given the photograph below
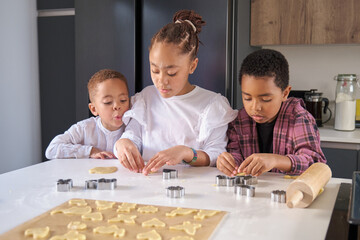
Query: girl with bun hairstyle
173, 121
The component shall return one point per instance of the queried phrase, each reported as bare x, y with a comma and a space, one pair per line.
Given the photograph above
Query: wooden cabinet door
276, 22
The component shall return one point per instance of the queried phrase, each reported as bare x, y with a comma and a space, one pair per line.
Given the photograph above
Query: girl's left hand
170, 156
98, 154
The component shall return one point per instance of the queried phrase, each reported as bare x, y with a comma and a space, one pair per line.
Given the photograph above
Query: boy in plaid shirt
272, 132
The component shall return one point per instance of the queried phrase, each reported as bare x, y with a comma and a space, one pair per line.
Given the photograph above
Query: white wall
20, 139
315, 66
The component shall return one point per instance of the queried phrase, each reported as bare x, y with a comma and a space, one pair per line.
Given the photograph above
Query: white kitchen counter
31, 191
332, 138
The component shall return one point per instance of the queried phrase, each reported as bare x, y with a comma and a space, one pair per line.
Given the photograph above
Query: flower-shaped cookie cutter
224, 181
244, 190
101, 184
175, 191
170, 173
64, 185
278, 196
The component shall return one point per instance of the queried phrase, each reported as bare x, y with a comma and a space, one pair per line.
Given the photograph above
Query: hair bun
191, 16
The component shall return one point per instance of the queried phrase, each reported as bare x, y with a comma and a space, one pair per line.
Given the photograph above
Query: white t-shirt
78, 141
198, 119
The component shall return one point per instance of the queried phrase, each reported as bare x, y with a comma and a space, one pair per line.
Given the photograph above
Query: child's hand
258, 163
128, 155
226, 163
170, 156
97, 153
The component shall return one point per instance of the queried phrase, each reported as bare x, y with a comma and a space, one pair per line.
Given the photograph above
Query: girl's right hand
226, 164
128, 155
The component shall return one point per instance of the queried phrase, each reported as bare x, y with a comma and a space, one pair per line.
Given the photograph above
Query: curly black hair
266, 62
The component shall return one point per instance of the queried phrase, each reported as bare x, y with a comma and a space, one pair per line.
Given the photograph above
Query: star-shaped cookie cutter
101, 184
175, 191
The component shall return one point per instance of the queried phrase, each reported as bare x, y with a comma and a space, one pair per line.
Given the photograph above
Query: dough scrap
113, 229
147, 209
103, 205
76, 225
78, 202
126, 207
71, 235
180, 211
188, 227
241, 174
73, 211
182, 238
103, 170
37, 233
290, 176
123, 218
153, 223
95, 216
205, 213
152, 235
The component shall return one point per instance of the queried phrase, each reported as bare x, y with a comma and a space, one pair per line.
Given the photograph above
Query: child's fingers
124, 162
149, 165
255, 169
245, 164
140, 162
129, 159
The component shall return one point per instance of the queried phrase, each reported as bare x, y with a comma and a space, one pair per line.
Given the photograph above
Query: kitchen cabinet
276, 22
343, 162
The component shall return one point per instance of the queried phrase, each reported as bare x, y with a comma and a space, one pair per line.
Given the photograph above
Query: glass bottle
345, 102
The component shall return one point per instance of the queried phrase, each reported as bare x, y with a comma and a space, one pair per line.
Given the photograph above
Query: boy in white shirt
95, 137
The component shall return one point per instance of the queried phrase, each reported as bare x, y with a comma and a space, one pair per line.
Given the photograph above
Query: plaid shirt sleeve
306, 144
233, 146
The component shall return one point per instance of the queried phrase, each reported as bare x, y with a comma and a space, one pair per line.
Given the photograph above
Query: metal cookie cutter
246, 180
278, 196
175, 191
170, 173
222, 180
101, 184
64, 185
244, 190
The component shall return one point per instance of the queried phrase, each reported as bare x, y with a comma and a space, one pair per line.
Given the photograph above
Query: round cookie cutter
244, 190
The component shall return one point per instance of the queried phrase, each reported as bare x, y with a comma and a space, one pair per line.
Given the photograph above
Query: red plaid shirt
295, 136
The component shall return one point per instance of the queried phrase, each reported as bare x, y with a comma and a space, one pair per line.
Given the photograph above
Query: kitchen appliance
345, 103
314, 102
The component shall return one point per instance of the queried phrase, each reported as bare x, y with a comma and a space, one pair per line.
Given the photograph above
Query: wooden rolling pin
303, 190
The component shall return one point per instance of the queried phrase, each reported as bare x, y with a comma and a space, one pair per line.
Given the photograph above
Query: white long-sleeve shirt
198, 119
78, 141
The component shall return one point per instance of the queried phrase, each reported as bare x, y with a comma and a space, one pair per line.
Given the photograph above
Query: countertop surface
31, 191
329, 134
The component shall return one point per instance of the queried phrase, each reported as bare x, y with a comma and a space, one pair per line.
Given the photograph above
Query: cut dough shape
153, 223
126, 207
152, 235
205, 213
73, 211
188, 227
181, 238
147, 209
76, 225
113, 229
78, 202
95, 216
180, 211
37, 233
71, 235
103, 170
103, 205
123, 218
